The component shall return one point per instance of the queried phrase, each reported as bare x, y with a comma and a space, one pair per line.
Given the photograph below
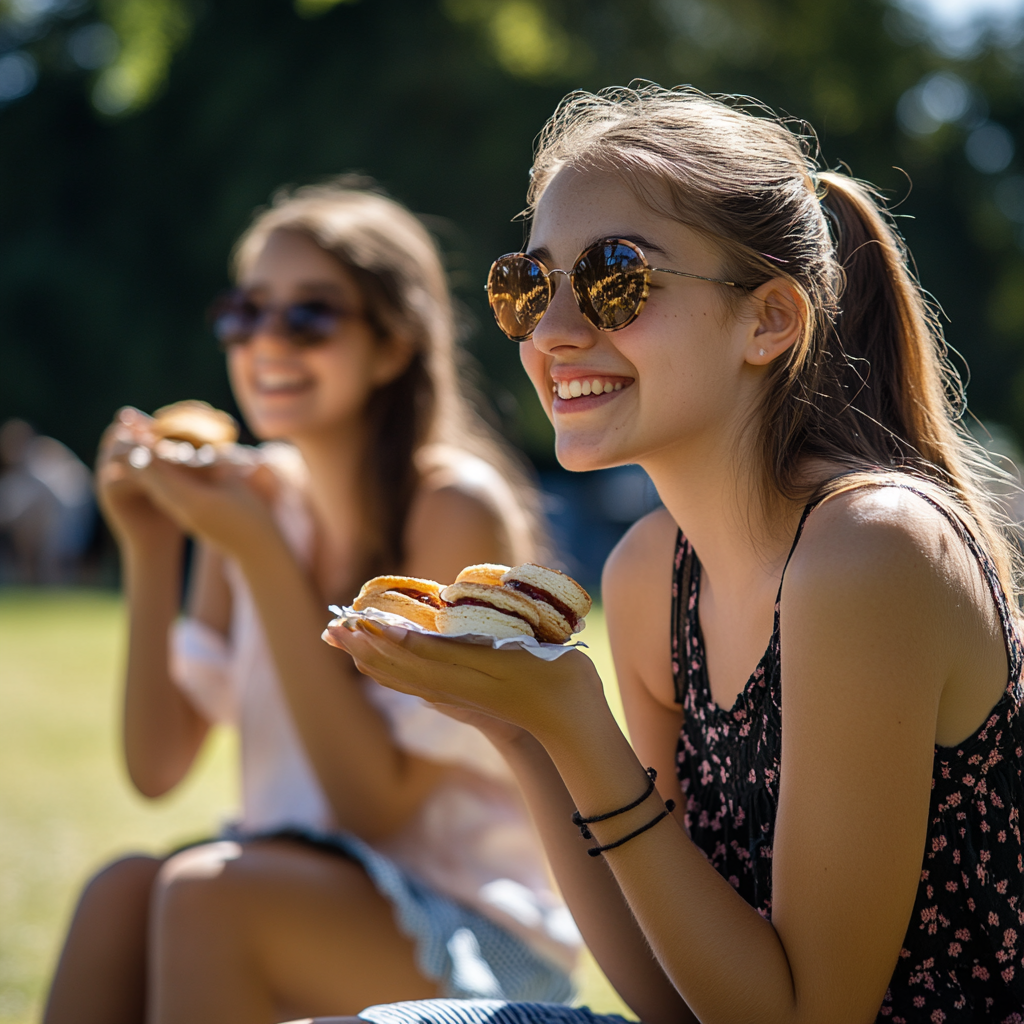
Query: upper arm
866, 614
637, 593
448, 529
209, 597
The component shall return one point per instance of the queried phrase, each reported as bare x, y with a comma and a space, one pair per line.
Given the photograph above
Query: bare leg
101, 974
272, 930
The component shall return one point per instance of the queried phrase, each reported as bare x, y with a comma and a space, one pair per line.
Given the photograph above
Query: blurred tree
140, 134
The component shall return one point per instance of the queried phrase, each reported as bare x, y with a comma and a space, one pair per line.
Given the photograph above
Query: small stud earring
760, 352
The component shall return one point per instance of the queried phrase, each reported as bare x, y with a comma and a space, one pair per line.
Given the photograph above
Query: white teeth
273, 381
566, 389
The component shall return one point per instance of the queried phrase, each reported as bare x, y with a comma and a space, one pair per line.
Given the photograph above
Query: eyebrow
543, 254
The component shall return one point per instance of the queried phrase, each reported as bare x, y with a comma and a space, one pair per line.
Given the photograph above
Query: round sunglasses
236, 318
610, 279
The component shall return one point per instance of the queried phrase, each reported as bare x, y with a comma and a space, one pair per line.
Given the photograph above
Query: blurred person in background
383, 850
46, 506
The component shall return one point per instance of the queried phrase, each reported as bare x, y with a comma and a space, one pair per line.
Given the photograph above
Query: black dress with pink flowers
963, 955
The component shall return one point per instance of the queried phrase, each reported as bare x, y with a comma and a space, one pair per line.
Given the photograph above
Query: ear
779, 314
393, 356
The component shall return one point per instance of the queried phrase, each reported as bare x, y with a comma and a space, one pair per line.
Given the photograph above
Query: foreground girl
817, 639
383, 850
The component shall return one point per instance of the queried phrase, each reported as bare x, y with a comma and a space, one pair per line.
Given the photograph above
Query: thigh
306, 924
101, 973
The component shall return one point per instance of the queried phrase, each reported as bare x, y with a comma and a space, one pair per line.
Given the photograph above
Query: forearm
726, 961
371, 784
592, 893
161, 729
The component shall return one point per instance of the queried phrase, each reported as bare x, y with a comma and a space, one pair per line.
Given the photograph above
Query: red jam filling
542, 595
420, 595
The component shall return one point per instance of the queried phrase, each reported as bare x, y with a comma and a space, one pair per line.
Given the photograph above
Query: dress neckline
1012, 693
697, 634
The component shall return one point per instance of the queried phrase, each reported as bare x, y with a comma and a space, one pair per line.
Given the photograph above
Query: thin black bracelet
596, 851
581, 823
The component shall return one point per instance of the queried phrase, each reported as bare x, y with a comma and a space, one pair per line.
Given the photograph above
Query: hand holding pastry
123, 497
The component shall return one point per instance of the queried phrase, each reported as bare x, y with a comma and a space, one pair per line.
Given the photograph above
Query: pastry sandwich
197, 423
492, 600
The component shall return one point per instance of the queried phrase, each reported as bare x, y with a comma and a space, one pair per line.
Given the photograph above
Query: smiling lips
578, 388
274, 382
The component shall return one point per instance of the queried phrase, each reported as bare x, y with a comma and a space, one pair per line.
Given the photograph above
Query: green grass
66, 806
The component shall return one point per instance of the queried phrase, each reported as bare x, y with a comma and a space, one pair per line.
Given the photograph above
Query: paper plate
546, 652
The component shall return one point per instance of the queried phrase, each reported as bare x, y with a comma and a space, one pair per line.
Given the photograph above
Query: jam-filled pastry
491, 610
561, 603
418, 600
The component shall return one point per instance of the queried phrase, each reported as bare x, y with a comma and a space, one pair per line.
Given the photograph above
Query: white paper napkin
546, 652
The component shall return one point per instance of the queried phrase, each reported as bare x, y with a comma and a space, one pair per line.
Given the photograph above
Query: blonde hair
868, 385
424, 419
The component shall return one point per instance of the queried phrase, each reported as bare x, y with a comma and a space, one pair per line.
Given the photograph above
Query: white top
471, 839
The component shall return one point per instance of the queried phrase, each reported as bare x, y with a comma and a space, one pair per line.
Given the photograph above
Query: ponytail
903, 399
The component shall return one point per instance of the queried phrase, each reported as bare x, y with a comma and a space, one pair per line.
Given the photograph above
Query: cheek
536, 366
237, 366
344, 375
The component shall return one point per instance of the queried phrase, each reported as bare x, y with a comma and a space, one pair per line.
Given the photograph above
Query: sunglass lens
310, 322
610, 282
519, 292
234, 320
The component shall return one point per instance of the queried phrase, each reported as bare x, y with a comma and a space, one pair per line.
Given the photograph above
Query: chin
580, 457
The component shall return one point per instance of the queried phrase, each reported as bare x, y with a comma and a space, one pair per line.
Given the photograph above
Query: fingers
399, 668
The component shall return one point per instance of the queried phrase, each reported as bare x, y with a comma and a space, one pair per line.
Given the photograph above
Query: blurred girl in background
383, 851
818, 637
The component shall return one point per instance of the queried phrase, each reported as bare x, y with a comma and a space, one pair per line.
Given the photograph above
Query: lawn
66, 805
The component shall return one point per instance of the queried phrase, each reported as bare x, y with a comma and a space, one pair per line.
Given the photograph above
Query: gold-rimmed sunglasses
610, 280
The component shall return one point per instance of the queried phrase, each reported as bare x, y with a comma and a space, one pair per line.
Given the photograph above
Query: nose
563, 324
268, 340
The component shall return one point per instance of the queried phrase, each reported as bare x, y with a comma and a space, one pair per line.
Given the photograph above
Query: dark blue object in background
589, 512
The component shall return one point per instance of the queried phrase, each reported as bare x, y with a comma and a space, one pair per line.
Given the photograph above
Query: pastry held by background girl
383, 850
818, 637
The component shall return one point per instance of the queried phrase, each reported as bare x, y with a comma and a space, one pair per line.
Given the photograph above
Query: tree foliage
153, 128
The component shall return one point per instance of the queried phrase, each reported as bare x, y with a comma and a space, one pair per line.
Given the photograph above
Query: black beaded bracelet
596, 851
581, 823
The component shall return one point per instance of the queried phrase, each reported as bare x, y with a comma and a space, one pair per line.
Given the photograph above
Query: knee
193, 885
126, 883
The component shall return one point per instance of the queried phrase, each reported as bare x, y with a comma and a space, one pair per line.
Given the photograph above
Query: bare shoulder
884, 562
637, 593
879, 537
643, 555
451, 526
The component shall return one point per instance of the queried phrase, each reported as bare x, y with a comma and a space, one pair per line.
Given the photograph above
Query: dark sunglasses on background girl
236, 318
610, 281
